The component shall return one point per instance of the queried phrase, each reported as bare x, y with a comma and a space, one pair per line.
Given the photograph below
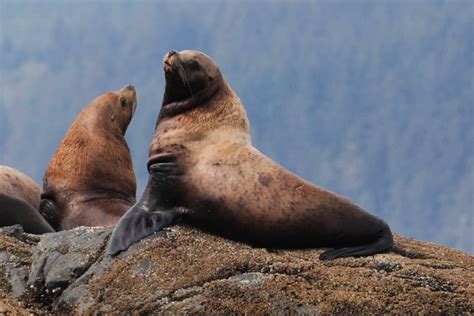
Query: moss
197, 273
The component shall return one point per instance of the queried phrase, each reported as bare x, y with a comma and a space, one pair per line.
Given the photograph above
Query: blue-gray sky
371, 99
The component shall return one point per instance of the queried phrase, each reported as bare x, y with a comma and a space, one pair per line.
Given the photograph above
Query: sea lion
90, 179
204, 170
19, 202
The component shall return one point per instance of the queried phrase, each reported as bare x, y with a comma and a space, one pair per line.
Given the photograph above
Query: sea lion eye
123, 102
194, 63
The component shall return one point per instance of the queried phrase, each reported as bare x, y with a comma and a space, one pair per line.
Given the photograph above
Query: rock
16, 258
184, 270
61, 258
15, 262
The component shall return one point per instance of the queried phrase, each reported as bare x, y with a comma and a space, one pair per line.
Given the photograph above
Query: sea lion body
19, 202
236, 191
204, 170
90, 179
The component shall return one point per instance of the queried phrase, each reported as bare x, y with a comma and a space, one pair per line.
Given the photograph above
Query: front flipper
137, 224
49, 212
158, 205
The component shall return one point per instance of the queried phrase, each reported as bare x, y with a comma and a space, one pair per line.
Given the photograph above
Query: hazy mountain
371, 99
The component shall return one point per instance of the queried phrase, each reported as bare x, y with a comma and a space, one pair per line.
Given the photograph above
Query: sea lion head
116, 108
192, 78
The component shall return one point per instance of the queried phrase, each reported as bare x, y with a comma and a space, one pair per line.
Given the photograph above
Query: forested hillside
370, 99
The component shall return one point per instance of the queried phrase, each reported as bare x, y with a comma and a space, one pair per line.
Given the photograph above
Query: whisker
183, 76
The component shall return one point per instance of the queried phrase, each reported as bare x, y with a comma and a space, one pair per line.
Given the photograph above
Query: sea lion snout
130, 94
129, 91
168, 61
128, 87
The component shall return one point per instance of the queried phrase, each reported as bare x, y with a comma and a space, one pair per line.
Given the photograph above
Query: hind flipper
383, 243
17, 211
344, 252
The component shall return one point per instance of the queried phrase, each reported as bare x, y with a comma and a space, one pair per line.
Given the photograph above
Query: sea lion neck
222, 109
222, 115
172, 107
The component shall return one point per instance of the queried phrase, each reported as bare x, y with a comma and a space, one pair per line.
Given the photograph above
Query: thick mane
178, 107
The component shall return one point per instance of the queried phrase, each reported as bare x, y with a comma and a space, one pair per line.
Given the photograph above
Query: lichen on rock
188, 271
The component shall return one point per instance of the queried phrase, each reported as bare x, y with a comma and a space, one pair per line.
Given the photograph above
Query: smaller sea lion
90, 179
19, 202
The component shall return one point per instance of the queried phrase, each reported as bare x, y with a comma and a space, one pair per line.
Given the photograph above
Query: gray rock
15, 259
61, 258
197, 273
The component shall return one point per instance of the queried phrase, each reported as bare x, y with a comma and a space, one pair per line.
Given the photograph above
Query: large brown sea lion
19, 202
204, 170
90, 180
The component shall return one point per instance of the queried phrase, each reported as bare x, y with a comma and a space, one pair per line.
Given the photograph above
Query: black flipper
156, 208
17, 211
382, 244
48, 210
137, 224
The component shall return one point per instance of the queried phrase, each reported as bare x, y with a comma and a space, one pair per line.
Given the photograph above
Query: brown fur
248, 196
90, 177
204, 169
201, 122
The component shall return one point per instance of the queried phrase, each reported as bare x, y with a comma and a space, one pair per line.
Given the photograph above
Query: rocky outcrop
188, 271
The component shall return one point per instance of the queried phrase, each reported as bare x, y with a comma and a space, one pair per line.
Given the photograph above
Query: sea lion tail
136, 224
383, 243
